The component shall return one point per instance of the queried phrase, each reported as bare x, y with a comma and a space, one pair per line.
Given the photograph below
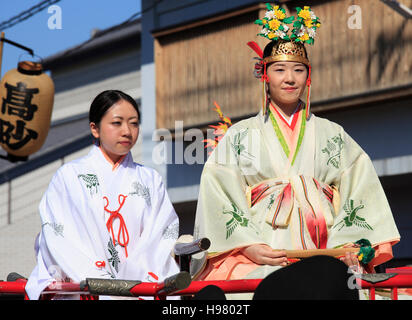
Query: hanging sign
27, 96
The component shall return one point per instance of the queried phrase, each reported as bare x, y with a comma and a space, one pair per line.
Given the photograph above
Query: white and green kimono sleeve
223, 213
362, 209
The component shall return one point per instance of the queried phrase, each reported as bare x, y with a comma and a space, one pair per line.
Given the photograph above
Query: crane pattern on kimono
238, 218
352, 217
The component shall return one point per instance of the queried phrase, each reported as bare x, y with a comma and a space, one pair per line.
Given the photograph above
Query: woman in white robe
103, 215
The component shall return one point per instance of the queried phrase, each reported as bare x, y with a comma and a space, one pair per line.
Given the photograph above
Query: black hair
267, 52
104, 100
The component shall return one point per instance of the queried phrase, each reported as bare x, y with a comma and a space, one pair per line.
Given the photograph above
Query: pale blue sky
79, 17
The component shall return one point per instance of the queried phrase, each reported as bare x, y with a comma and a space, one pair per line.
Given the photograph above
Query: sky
45, 36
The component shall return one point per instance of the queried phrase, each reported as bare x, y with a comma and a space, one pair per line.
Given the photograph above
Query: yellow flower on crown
304, 37
308, 23
305, 13
289, 36
274, 24
280, 15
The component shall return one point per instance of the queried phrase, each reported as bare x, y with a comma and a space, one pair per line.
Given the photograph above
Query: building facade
180, 58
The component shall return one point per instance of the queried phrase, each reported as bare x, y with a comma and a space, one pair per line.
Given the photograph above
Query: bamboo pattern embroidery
171, 232
236, 220
90, 181
334, 148
141, 191
114, 259
271, 201
352, 218
238, 146
58, 228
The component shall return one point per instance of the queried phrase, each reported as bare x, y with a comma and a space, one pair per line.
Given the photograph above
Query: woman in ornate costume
287, 179
103, 215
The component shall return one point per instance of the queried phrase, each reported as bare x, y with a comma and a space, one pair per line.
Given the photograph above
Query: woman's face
118, 130
287, 81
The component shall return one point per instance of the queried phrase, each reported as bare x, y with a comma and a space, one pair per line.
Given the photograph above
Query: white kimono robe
255, 189
101, 221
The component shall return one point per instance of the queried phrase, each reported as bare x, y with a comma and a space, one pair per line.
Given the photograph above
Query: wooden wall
207, 63
209, 60
349, 62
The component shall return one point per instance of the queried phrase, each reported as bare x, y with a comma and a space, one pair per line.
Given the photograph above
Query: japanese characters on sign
26, 102
18, 102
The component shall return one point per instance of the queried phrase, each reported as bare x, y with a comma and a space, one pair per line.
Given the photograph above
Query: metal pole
3, 40
9, 202
1, 49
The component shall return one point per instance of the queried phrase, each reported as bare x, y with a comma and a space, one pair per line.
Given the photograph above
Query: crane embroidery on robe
237, 219
352, 217
91, 182
334, 148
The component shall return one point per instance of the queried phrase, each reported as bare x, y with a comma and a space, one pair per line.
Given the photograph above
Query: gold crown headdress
289, 40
